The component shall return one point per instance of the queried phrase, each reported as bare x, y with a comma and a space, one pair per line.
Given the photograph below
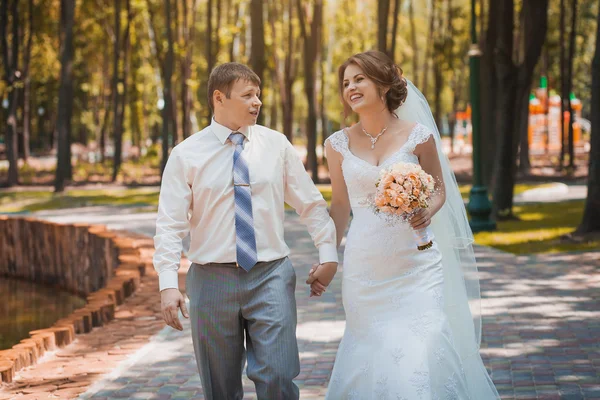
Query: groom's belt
235, 264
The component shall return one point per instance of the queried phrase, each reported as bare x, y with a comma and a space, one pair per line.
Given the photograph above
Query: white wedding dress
398, 343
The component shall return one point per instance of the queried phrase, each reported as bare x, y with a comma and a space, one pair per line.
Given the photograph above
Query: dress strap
339, 142
420, 134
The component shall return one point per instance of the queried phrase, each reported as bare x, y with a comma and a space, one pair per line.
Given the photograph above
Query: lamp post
479, 206
40, 125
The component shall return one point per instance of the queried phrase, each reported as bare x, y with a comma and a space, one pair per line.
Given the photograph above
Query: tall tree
395, 14
570, 60
65, 95
311, 40
514, 85
257, 55
489, 91
12, 79
27, 82
188, 37
591, 214
564, 91
413, 41
429, 47
167, 127
286, 66
119, 85
383, 15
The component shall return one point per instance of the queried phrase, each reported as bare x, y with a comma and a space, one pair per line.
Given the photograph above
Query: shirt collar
222, 132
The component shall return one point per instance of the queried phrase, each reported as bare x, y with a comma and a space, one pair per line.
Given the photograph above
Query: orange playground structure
544, 124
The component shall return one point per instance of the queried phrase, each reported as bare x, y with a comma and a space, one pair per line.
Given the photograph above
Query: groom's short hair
225, 75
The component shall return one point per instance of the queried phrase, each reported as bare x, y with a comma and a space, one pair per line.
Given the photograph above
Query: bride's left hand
421, 219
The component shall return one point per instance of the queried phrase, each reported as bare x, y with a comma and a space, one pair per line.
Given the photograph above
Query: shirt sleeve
301, 193
172, 222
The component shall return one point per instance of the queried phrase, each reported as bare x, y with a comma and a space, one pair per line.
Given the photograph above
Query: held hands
171, 300
320, 276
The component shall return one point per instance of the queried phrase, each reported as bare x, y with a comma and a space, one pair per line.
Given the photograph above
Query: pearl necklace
374, 139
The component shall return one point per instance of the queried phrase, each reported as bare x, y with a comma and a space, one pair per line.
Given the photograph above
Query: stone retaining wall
88, 260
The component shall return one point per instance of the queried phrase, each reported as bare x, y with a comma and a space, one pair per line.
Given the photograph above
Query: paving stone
540, 340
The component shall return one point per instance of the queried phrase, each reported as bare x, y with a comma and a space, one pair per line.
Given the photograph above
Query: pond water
26, 306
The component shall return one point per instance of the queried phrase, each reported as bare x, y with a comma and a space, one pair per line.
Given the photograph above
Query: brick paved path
541, 332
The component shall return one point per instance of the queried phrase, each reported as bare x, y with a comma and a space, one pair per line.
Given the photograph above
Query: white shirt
197, 196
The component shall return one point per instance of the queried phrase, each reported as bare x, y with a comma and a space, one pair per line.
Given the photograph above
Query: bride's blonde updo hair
387, 76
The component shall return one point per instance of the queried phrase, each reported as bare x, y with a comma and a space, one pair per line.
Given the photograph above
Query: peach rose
398, 177
404, 198
396, 187
390, 194
387, 180
414, 179
380, 201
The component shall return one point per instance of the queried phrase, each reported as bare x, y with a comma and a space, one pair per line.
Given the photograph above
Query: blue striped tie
244, 223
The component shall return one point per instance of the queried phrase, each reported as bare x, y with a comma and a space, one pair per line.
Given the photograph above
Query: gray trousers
228, 305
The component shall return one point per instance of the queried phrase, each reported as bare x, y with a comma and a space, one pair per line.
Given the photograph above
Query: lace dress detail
397, 343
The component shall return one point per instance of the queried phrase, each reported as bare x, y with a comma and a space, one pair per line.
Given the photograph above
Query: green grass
31, 201
519, 188
538, 229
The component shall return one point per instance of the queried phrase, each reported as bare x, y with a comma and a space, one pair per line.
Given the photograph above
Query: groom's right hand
321, 276
171, 300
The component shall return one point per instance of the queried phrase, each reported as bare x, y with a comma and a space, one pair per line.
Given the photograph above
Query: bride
412, 317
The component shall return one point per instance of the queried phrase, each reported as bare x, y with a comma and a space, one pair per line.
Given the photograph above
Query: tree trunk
105, 103
522, 116
570, 61
290, 69
392, 49
311, 41
514, 100
168, 72
174, 120
413, 37
383, 15
176, 130
209, 36
210, 62
322, 113
591, 214
189, 29
11, 78
274, 15
116, 95
489, 95
217, 48
65, 95
429, 48
275, 103
27, 87
234, 13
437, 100
564, 94
506, 74
257, 55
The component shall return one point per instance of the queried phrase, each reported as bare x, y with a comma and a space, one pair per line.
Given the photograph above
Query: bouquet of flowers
402, 190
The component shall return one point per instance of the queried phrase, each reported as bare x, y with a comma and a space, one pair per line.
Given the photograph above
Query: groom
226, 185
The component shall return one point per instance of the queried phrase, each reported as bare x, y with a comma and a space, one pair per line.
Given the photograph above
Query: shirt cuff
328, 253
168, 279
